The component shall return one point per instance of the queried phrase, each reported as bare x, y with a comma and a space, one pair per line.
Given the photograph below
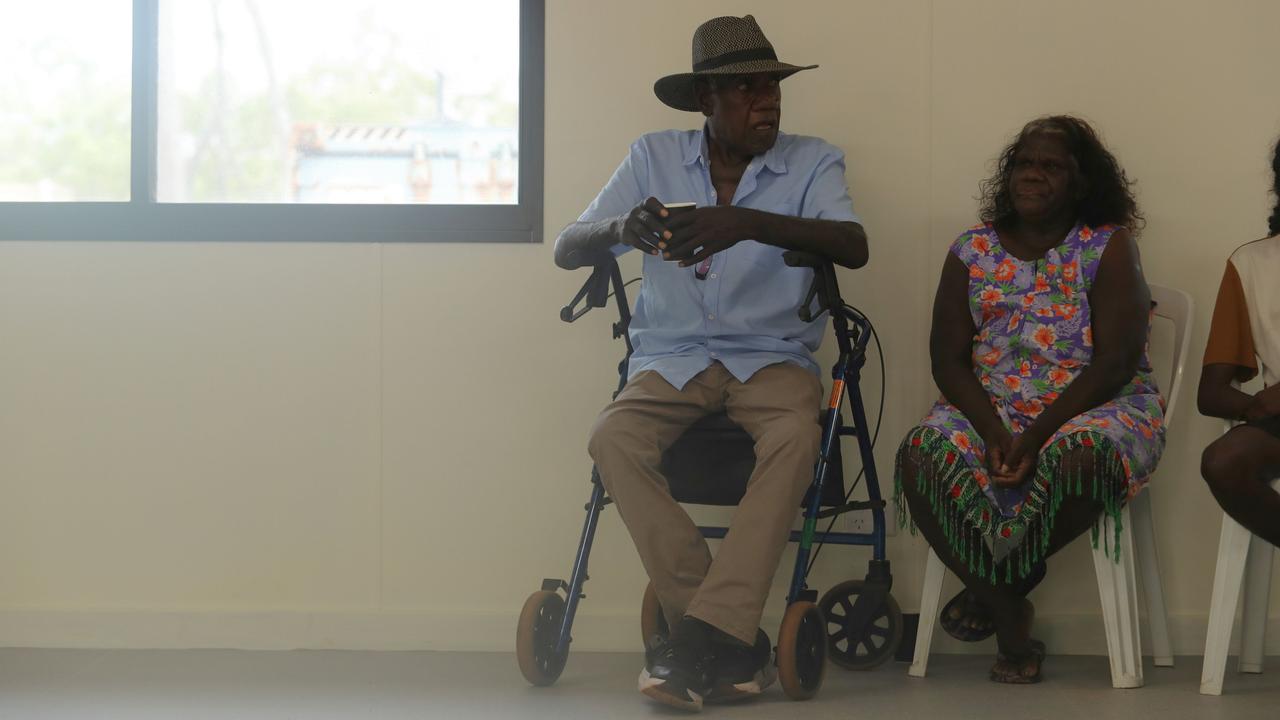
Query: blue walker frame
846, 374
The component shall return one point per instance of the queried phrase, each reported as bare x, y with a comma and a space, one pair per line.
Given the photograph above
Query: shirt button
713, 276
711, 317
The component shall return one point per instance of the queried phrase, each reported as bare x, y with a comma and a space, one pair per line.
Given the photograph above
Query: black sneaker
678, 670
741, 671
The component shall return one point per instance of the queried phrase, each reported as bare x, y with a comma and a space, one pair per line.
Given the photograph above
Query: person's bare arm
698, 234
951, 359
586, 243
1121, 303
1217, 397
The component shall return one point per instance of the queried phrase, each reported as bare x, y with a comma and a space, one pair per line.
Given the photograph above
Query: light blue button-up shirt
744, 313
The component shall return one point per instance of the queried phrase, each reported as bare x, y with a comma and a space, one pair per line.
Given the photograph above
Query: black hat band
737, 56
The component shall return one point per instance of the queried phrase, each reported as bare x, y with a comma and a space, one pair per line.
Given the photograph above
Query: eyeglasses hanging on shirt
700, 271
675, 208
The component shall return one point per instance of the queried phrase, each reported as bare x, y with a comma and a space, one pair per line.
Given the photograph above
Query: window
366, 120
64, 102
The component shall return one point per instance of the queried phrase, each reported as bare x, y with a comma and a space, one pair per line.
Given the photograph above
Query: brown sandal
1020, 662
965, 618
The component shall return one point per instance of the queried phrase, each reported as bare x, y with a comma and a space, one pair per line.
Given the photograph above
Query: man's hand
1019, 462
698, 234
1265, 404
644, 228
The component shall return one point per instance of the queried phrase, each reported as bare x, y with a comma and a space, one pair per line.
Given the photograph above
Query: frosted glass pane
65, 105
363, 101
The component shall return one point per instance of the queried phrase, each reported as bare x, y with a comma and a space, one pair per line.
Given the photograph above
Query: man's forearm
1228, 403
1217, 396
582, 243
844, 243
1231, 403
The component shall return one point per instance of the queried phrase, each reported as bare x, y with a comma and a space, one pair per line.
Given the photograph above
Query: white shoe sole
652, 688
741, 691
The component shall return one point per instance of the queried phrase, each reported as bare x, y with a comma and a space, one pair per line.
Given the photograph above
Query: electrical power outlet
861, 522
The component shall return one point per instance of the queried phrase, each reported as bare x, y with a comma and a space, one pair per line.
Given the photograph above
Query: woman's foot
968, 619
1020, 658
1019, 670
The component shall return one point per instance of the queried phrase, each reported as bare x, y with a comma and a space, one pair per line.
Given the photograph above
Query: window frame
142, 218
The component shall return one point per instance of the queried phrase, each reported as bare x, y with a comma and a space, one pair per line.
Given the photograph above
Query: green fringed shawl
967, 516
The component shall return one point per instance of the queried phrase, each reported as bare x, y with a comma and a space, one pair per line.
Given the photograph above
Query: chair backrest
1177, 307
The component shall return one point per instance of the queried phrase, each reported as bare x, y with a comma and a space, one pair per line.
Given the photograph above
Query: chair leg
1144, 539
1117, 588
930, 594
1257, 595
1233, 549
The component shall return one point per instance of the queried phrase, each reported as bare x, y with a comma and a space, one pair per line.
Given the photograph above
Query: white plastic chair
1117, 582
1243, 559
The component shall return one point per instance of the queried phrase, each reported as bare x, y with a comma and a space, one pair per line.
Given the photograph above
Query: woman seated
1243, 339
1049, 416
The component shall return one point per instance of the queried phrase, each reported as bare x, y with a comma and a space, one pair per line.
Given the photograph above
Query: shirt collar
696, 150
773, 158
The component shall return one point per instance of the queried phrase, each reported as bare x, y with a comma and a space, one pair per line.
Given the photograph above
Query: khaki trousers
778, 407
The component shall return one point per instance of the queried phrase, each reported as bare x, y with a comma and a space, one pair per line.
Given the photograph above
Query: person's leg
778, 407
1001, 599
1020, 655
1236, 466
965, 617
627, 443
1079, 511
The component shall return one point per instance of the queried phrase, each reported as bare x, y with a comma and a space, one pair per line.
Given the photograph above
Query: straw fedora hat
723, 46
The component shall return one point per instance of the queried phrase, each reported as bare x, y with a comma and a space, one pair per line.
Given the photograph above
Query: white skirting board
459, 631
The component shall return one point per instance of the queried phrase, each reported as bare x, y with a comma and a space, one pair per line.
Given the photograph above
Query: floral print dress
1034, 337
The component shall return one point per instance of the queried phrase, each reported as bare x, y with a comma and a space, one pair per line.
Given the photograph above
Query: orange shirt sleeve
1230, 335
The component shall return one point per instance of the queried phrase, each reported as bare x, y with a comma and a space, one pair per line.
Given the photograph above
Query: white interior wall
328, 445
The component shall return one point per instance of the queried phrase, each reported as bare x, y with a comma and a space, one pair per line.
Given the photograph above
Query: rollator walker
857, 623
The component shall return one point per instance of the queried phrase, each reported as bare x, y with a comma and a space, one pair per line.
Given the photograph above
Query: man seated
715, 329
1243, 340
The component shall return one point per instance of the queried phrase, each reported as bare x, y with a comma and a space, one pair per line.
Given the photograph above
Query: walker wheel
536, 638
874, 641
652, 621
802, 650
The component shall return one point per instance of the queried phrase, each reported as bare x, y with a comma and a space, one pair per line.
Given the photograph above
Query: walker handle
595, 291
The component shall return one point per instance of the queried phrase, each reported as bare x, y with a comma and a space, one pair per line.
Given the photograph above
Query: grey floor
201, 684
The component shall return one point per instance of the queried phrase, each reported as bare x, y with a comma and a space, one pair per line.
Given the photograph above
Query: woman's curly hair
1273, 222
1108, 191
